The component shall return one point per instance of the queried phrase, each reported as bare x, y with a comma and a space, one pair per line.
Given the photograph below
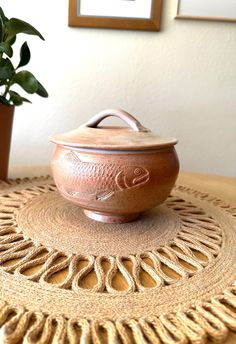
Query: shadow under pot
114, 173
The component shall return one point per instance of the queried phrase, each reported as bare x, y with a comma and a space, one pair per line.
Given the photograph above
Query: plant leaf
3, 20
15, 26
26, 100
6, 48
4, 101
3, 82
16, 99
6, 69
1, 30
41, 91
12, 41
24, 55
2, 16
26, 80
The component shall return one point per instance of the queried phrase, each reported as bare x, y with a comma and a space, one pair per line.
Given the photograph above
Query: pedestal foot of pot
110, 218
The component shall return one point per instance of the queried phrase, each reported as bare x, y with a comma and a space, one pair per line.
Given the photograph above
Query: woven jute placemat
168, 277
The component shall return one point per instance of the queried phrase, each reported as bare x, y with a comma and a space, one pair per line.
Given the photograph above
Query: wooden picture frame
213, 10
116, 22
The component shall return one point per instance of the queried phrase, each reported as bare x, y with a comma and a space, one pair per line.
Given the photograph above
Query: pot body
6, 122
114, 186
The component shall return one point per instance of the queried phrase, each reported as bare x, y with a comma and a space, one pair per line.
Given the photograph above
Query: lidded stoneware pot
114, 173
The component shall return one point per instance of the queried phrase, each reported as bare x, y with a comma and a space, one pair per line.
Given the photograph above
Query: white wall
180, 81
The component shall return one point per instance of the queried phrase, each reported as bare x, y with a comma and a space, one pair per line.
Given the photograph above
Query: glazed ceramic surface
114, 173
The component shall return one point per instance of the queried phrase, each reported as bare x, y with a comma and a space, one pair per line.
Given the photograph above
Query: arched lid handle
123, 115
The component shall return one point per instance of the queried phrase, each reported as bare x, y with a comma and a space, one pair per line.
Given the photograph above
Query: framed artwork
221, 10
116, 14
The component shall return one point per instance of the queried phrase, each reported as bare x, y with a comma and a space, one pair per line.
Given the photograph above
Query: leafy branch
10, 75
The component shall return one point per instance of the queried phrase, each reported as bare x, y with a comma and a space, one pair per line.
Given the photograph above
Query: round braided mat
167, 278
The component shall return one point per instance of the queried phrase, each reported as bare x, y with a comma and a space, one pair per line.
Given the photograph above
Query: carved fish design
106, 179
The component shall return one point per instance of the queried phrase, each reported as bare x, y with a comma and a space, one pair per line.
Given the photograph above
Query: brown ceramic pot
114, 173
6, 121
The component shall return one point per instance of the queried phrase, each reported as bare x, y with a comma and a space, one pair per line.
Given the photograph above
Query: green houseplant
11, 76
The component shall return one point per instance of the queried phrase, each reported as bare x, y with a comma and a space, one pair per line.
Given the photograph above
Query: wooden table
220, 186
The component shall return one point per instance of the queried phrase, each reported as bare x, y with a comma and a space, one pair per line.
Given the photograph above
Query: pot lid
133, 137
